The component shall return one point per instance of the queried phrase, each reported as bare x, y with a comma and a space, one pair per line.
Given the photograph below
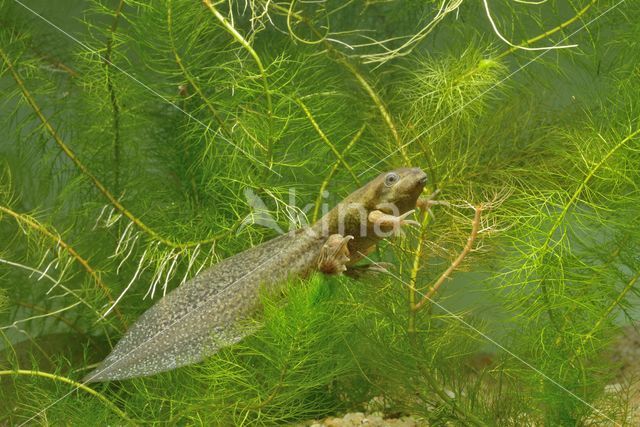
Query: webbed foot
334, 255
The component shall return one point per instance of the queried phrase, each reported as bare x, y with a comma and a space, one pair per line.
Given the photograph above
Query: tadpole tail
205, 314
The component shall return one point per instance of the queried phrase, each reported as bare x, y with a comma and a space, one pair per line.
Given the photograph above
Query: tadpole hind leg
334, 254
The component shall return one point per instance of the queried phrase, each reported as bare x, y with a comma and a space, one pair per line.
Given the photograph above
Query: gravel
370, 420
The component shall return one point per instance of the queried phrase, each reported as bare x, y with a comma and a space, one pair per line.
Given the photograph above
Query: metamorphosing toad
201, 316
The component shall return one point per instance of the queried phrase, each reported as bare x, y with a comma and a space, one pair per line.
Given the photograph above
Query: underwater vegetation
143, 142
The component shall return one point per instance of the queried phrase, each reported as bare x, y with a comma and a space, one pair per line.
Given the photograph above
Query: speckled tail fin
201, 316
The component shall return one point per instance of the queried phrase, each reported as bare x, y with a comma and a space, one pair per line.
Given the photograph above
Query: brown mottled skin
206, 313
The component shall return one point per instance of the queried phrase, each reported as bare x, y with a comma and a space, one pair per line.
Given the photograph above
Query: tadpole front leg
393, 222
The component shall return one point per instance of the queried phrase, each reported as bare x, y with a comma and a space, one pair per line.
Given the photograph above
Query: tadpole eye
391, 179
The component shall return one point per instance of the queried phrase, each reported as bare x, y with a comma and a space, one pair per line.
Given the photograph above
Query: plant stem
550, 32
57, 316
24, 219
341, 59
192, 82
384, 112
546, 246
433, 383
534, 39
414, 272
85, 171
456, 263
263, 72
112, 96
613, 305
333, 170
323, 136
76, 384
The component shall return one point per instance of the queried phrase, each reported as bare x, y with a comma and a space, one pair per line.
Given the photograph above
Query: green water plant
132, 132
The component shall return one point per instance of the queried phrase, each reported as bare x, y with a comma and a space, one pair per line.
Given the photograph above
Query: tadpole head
400, 188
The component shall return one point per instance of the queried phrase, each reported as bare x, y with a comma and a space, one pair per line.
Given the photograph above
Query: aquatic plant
132, 132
